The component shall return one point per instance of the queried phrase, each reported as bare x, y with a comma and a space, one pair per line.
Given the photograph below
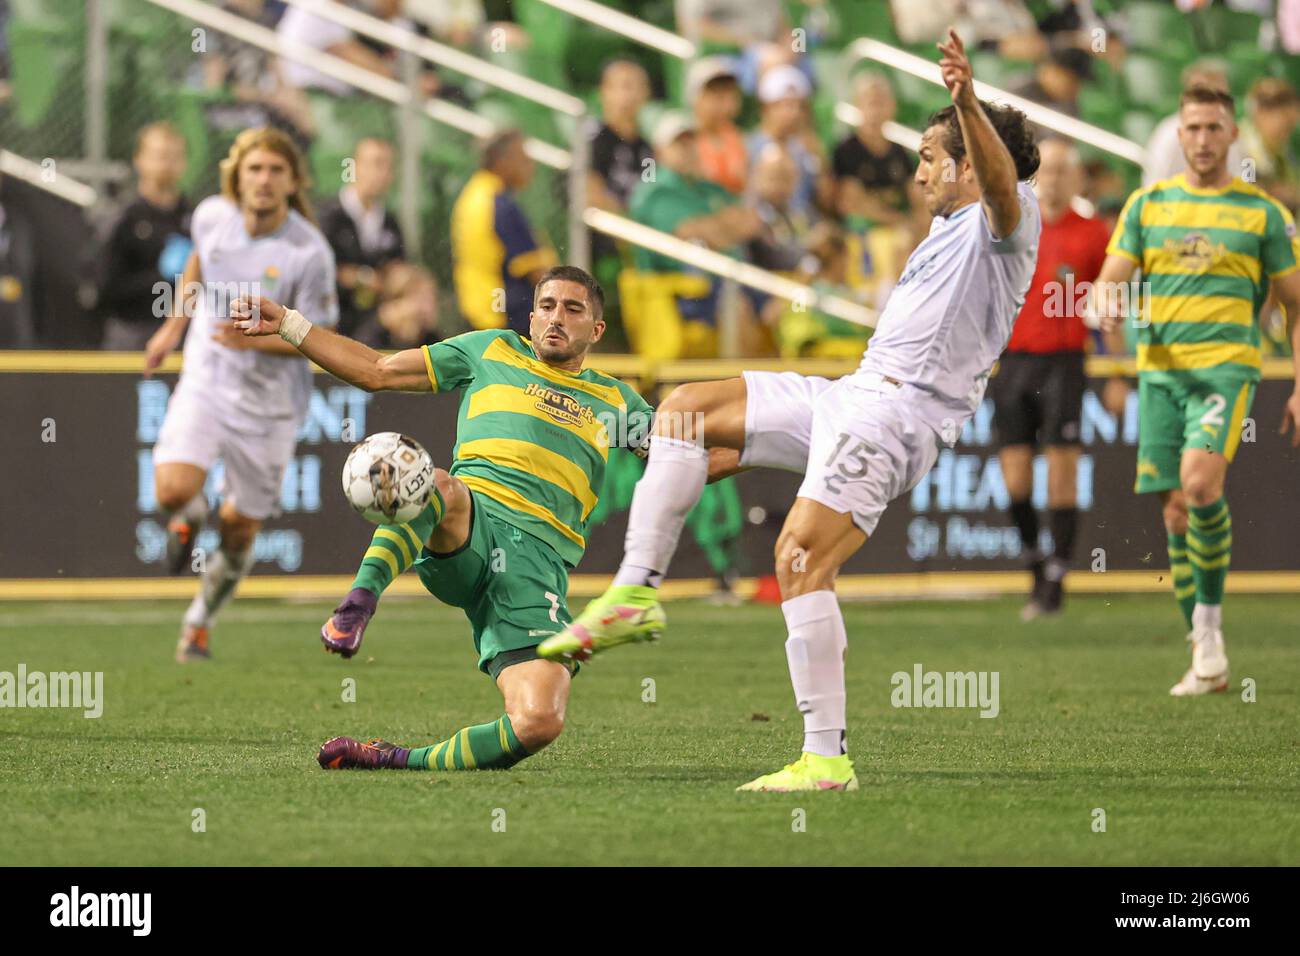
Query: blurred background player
148, 243
239, 400
1209, 245
1038, 390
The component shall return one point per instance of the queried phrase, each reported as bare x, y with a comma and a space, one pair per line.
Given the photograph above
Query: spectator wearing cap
873, 176
714, 95
384, 300
680, 201
496, 258
1272, 112
783, 94
1164, 152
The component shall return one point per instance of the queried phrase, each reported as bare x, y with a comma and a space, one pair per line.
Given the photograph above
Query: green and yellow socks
491, 746
395, 547
1209, 551
1180, 569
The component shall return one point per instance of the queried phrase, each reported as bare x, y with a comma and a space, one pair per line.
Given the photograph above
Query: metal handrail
65, 187
904, 136
450, 57
726, 267
647, 34
869, 49
448, 114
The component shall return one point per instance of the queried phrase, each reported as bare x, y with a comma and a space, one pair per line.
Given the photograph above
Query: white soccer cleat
1209, 671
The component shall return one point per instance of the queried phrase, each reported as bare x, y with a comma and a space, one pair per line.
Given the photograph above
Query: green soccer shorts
1182, 410
510, 585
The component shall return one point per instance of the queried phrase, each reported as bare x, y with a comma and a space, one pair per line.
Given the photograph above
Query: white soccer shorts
194, 432
858, 441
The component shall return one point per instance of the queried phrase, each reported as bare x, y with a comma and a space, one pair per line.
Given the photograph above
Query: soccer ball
387, 478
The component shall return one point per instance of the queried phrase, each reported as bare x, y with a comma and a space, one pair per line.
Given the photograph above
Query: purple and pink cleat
344, 753
343, 632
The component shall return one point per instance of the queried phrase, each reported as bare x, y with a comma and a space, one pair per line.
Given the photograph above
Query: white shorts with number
194, 432
858, 441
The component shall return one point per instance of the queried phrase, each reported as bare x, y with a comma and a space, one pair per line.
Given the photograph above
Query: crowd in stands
739, 164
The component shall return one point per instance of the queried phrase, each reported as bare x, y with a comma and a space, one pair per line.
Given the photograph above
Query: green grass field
1085, 723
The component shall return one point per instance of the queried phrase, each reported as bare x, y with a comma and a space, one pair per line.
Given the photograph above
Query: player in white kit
860, 441
239, 399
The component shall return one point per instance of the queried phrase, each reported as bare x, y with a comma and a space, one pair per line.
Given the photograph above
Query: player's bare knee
679, 414
1175, 515
1200, 491
799, 568
535, 726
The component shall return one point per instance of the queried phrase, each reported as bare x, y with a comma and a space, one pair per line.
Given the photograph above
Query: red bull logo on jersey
270, 279
560, 408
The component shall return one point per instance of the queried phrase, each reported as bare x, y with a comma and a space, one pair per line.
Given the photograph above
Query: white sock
1209, 616
815, 652
222, 574
195, 511
673, 482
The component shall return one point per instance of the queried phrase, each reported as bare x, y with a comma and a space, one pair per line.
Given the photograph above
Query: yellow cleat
809, 772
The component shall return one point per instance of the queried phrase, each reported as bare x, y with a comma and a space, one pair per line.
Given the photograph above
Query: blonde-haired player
240, 400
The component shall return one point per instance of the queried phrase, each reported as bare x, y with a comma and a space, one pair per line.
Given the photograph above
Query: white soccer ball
387, 478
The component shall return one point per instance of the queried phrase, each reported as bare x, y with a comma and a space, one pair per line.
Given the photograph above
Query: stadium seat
1221, 27
1100, 108
1138, 125
864, 18
1161, 30
1151, 82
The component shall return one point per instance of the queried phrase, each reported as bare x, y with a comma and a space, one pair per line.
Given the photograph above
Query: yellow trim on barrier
932, 584
618, 366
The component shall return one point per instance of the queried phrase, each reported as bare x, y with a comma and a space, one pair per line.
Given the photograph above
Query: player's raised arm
991, 161
344, 358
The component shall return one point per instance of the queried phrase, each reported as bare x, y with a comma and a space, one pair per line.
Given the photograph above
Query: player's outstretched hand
1291, 419
257, 315
955, 68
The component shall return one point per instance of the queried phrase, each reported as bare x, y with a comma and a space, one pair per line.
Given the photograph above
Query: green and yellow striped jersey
1208, 256
533, 440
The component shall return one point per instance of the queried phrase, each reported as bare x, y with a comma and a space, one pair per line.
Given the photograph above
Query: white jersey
950, 316
246, 389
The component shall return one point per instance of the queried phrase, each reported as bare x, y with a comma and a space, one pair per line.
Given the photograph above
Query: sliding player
1208, 245
860, 441
505, 522
257, 236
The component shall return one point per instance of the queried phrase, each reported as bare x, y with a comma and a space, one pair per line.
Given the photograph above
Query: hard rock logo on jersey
560, 408
1195, 251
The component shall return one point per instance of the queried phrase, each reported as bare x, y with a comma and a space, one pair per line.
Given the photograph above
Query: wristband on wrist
294, 327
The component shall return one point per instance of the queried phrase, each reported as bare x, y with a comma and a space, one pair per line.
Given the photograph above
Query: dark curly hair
1013, 129
595, 294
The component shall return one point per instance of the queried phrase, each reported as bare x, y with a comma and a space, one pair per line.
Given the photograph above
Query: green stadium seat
999, 71
1100, 108
864, 18
1247, 63
1160, 29
1151, 82
1138, 125
1221, 27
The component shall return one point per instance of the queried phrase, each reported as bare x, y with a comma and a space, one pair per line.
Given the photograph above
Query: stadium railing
47, 178
402, 94
491, 75
927, 70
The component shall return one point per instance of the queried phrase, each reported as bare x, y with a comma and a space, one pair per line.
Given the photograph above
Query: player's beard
555, 355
